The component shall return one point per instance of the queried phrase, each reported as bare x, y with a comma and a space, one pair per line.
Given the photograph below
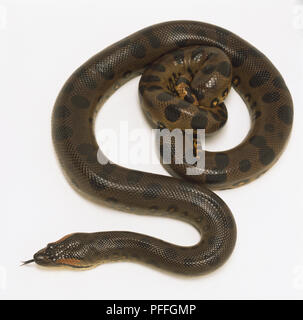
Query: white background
41, 44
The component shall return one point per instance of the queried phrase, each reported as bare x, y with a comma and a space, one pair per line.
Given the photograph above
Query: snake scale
188, 69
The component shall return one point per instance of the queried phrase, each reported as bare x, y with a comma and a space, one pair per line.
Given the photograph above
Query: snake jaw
44, 258
65, 252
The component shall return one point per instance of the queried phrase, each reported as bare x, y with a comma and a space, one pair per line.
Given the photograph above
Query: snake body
180, 61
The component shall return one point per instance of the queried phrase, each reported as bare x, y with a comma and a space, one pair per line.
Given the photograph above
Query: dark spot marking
215, 115
80, 102
108, 168
172, 113
190, 71
150, 78
222, 114
87, 79
279, 83
239, 57
134, 177
181, 32
86, 148
213, 261
247, 97
258, 141
198, 93
154, 88
270, 97
165, 96
269, 127
138, 50
266, 155
257, 114
69, 88
222, 35
211, 55
254, 53
179, 56
89, 151
170, 253
142, 88
97, 183
221, 160
199, 121
63, 133
197, 53
224, 68
105, 71
201, 33
230, 222
154, 41
157, 67
152, 191
183, 80
124, 43
183, 104
244, 165
186, 186
285, 114
260, 78
61, 112
189, 98
253, 105
208, 69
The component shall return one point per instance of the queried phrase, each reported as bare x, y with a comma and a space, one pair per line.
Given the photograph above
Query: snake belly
184, 197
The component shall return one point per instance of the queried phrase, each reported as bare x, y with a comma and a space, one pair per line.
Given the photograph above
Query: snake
187, 69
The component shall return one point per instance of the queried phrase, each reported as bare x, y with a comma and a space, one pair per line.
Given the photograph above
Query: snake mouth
44, 264
44, 260
52, 258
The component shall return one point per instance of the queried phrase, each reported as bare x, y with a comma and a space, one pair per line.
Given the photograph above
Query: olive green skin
252, 75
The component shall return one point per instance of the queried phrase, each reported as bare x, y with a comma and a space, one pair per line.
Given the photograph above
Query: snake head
68, 251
